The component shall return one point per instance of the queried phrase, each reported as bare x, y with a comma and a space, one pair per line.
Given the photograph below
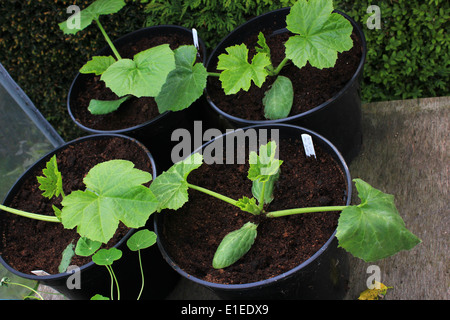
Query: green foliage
213, 19
409, 57
97, 65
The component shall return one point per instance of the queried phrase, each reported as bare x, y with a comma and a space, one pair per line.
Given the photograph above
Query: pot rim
305, 114
123, 38
44, 158
234, 287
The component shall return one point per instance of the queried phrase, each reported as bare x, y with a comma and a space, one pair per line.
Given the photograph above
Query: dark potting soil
132, 112
28, 244
194, 232
312, 86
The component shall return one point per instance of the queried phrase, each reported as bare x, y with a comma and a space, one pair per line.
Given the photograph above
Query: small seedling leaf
378, 291
141, 240
264, 165
106, 257
373, 230
235, 245
51, 182
238, 73
248, 205
257, 188
99, 297
85, 247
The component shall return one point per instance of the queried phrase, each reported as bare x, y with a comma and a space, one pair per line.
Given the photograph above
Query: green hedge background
408, 57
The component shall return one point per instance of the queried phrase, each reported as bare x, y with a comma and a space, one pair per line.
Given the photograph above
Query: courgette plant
175, 80
371, 230
172, 77
114, 192
319, 34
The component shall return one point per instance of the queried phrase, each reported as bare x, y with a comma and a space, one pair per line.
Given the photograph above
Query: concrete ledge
406, 153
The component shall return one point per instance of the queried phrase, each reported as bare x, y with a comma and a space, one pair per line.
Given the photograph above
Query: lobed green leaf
97, 65
238, 73
114, 192
51, 182
171, 187
320, 34
248, 205
143, 76
373, 230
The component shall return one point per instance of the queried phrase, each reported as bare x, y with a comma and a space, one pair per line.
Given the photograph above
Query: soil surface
193, 232
312, 86
132, 112
28, 244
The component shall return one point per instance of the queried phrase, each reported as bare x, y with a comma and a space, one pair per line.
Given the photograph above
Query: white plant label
308, 145
195, 38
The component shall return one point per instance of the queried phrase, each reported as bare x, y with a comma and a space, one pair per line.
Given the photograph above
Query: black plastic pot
160, 279
155, 134
323, 276
338, 119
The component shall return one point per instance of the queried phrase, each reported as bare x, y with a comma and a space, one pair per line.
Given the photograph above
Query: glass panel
25, 136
